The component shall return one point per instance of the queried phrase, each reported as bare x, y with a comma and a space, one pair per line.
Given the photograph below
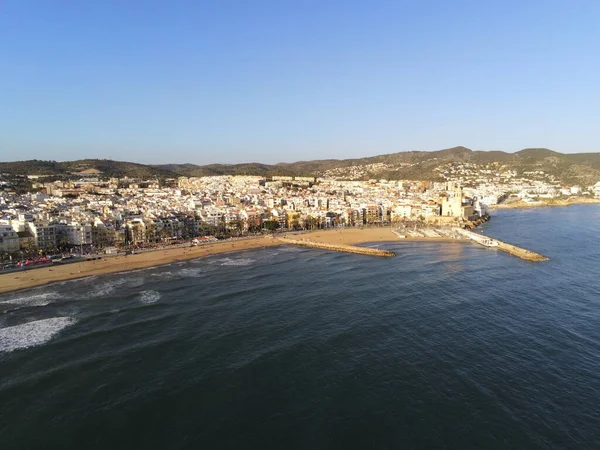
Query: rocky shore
475, 223
547, 202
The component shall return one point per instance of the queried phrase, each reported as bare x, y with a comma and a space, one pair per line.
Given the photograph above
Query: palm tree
62, 243
150, 229
294, 221
237, 225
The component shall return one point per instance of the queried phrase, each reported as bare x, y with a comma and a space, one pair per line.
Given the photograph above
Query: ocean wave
237, 262
77, 280
108, 287
126, 272
33, 299
167, 274
32, 334
181, 273
189, 272
149, 297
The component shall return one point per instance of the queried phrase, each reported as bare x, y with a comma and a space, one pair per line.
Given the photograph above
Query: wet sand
111, 264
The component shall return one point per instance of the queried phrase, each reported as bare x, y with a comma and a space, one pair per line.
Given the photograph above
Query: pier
486, 241
520, 252
339, 247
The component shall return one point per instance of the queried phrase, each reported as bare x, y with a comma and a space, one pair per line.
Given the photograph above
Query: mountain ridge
576, 167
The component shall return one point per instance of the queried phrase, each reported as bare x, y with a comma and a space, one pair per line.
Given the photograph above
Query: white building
401, 211
44, 234
9, 239
78, 234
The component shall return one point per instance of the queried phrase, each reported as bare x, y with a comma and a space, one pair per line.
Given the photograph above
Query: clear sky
285, 80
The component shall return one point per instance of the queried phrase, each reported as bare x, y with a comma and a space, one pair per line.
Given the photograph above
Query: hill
96, 167
583, 168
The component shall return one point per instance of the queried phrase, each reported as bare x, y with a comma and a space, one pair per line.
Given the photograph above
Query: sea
445, 346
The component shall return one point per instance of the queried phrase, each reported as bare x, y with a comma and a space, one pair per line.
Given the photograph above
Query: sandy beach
44, 275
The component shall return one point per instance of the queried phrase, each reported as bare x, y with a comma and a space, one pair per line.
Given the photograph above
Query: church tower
452, 202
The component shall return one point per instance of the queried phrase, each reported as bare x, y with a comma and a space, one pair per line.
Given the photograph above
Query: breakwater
470, 225
505, 247
339, 247
520, 252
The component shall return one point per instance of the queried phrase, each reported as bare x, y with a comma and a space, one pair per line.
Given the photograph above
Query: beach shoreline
16, 281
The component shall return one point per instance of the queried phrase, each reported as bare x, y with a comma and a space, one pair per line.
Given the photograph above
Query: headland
540, 203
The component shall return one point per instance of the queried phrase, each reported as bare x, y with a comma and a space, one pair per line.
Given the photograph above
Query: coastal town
90, 213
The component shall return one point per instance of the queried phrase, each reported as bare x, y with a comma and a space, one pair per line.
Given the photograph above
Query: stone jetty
470, 225
339, 247
487, 241
520, 252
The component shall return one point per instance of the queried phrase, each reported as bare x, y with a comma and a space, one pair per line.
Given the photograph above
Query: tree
150, 232
271, 225
179, 230
127, 235
62, 242
165, 233
311, 222
294, 222
237, 225
28, 248
254, 225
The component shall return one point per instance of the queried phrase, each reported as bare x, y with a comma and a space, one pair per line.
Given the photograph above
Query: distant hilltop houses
89, 210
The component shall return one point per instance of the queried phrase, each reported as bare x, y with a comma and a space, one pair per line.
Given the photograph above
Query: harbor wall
520, 252
491, 242
339, 247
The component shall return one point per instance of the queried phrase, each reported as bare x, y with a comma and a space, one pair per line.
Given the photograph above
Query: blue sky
238, 81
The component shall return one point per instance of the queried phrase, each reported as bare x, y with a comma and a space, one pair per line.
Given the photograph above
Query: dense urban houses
93, 214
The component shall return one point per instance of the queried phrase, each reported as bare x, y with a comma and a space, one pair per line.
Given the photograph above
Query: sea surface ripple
446, 346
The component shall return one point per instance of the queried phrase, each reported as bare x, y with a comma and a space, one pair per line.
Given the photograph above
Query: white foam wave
32, 334
237, 262
127, 272
149, 297
108, 287
104, 289
33, 300
77, 280
290, 249
189, 272
162, 274
135, 282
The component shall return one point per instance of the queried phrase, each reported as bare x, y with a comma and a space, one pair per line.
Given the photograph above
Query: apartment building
9, 239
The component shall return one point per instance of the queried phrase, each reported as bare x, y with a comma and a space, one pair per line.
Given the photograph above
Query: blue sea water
446, 346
